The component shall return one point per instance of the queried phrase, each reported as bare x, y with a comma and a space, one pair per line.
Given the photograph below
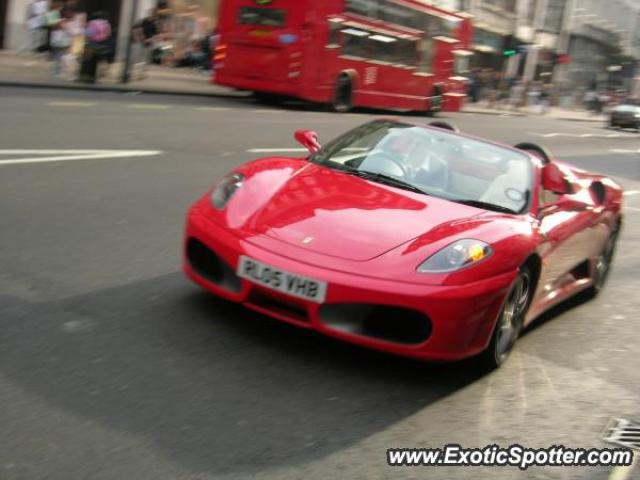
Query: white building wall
16, 34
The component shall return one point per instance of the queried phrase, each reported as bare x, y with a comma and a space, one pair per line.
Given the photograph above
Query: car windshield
435, 162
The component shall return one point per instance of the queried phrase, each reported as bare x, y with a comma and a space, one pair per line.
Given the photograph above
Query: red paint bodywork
253, 58
370, 238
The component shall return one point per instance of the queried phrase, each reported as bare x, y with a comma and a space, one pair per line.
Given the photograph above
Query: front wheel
602, 265
510, 321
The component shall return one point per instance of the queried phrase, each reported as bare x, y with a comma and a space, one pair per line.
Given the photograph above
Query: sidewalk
33, 71
29, 70
555, 113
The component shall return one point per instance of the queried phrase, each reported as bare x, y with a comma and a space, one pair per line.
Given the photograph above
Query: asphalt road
114, 366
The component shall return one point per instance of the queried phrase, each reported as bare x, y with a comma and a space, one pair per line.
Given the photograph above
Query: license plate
281, 280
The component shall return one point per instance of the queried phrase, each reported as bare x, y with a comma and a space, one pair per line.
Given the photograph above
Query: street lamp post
564, 40
532, 54
126, 71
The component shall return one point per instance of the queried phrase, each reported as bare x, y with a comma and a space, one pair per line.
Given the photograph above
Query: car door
567, 235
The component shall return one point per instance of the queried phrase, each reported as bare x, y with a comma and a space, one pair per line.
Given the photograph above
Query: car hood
329, 212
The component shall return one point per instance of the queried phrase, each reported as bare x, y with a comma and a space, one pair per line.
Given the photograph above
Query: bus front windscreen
266, 17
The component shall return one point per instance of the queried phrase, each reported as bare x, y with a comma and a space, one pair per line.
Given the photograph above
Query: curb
573, 119
520, 114
498, 113
118, 89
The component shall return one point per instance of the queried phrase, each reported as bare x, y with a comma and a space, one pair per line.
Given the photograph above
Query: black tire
267, 98
435, 102
602, 265
343, 97
510, 320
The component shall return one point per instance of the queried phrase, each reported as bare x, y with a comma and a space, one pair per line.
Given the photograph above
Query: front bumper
460, 318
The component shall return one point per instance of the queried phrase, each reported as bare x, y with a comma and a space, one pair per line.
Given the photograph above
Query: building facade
15, 36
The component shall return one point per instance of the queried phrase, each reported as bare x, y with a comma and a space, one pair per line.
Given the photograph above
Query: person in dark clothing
150, 30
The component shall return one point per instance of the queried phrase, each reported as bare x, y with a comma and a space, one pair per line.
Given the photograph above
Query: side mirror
308, 139
554, 180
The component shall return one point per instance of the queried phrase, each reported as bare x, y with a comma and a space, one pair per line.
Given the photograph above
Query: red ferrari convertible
412, 239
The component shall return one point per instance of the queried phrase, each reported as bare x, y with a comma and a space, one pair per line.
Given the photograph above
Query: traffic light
509, 46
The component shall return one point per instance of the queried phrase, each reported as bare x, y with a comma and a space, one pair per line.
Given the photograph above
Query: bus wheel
435, 102
344, 90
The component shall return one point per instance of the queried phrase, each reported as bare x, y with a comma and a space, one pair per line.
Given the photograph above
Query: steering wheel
381, 157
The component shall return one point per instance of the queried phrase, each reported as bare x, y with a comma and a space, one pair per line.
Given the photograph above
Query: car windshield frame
332, 155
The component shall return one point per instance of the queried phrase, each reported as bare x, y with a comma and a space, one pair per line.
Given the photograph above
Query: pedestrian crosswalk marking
580, 135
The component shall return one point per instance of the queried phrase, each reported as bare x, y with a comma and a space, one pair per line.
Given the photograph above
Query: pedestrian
75, 25
516, 95
149, 28
98, 39
35, 25
52, 18
545, 98
60, 42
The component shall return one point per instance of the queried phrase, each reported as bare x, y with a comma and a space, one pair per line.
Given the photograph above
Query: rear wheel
342, 101
510, 320
267, 98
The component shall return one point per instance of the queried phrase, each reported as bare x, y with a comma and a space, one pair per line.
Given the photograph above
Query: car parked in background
625, 116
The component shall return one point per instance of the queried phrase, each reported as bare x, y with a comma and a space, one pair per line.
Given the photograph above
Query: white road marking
71, 104
213, 109
271, 150
266, 111
623, 150
67, 155
148, 106
631, 192
578, 135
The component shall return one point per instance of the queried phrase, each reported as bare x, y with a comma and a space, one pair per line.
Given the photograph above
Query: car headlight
226, 189
455, 256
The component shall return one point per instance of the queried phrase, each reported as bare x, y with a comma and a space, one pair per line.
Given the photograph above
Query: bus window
408, 52
355, 42
334, 33
425, 49
267, 17
384, 48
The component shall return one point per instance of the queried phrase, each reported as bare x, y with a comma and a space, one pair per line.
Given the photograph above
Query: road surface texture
114, 366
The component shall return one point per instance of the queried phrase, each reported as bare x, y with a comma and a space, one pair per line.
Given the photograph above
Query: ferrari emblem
307, 240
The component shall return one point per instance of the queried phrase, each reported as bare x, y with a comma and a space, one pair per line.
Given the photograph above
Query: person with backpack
98, 46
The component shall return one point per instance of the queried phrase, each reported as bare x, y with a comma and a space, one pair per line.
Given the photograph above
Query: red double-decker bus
396, 54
